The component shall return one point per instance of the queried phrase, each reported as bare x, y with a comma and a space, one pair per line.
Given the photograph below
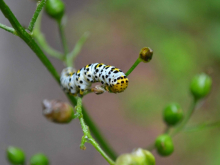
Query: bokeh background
185, 38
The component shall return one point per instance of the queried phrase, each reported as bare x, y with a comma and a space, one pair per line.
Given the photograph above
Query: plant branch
8, 29
40, 6
202, 126
186, 118
133, 66
76, 50
180, 127
39, 36
36, 49
63, 37
27, 38
87, 136
95, 131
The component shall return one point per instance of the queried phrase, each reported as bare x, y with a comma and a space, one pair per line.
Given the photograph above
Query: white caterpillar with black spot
112, 78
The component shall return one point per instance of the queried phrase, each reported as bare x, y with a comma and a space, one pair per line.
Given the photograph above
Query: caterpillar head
119, 85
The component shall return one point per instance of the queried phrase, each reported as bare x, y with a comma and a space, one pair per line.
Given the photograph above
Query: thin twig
63, 37
8, 29
76, 50
39, 36
133, 66
40, 6
87, 136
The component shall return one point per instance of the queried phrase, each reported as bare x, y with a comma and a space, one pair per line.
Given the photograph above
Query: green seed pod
129, 159
15, 155
146, 54
137, 157
200, 85
164, 145
149, 158
39, 159
172, 114
55, 9
57, 111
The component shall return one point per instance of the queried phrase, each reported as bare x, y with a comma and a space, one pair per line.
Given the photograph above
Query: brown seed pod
57, 111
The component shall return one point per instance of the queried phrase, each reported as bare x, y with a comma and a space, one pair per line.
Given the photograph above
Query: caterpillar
112, 78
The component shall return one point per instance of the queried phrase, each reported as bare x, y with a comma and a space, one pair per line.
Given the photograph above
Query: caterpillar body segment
112, 78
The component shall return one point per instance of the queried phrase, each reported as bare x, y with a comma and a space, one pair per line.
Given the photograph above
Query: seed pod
55, 9
146, 54
39, 159
164, 145
137, 157
200, 86
57, 111
172, 114
129, 159
149, 158
15, 155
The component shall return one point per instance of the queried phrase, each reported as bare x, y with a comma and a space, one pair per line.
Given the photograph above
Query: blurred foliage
185, 38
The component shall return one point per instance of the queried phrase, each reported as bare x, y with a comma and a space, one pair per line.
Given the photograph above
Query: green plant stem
8, 29
87, 134
27, 38
202, 126
133, 66
95, 131
152, 146
186, 118
39, 36
76, 50
40, 6
36, 49
63, 37
181, 126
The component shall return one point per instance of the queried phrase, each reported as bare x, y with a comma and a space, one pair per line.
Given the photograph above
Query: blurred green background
185, 38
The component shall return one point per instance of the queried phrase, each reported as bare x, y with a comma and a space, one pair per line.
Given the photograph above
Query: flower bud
149, 158
55, 8
15, 155
39, 159
129, 159
200, 85
57, 111
137, 157
146, 54
164, 145
172, 114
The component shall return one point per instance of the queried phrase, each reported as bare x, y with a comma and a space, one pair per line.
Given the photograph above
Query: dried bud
146, 54
57, 111
98, 89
